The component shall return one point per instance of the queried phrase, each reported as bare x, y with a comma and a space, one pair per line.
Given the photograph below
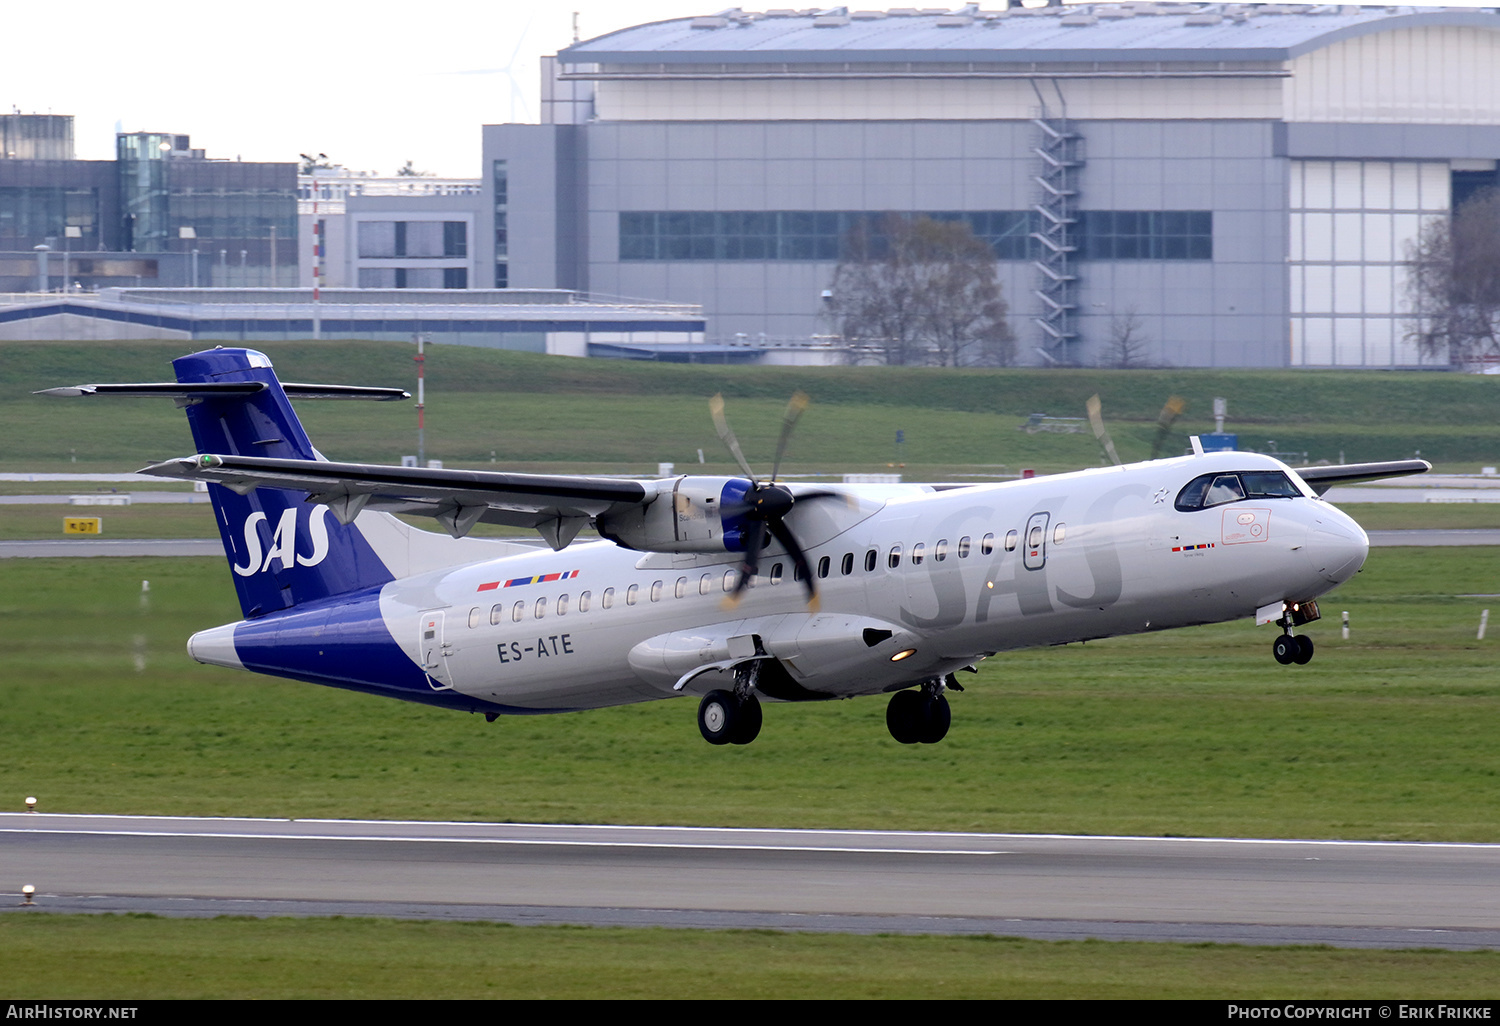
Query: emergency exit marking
83, 525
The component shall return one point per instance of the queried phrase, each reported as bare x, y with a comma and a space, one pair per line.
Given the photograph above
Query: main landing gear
1295, 648
732, 717
919, 717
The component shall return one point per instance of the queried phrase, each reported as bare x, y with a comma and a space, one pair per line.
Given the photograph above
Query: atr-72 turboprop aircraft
735, 588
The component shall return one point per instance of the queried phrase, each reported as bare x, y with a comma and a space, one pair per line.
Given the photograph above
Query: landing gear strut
732, 718
919, 717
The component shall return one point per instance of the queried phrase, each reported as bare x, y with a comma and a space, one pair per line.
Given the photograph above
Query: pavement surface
1353, 894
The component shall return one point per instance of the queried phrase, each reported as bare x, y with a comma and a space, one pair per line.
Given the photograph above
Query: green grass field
537, 412
127, 957
1198, 732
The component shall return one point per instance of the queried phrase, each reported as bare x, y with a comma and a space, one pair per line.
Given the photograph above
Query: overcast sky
373, 84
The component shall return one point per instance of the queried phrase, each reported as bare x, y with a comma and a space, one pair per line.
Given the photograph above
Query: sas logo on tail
284, 541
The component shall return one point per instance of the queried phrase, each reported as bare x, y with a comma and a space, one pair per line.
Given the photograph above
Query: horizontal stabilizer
227, 390
1323, 478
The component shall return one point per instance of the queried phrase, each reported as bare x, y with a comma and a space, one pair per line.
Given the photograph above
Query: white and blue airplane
733, 588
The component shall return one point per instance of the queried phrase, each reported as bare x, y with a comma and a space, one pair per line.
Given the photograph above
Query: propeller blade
726, 435
1096, 419
784, 534
1169, 414
748, 569
789, 420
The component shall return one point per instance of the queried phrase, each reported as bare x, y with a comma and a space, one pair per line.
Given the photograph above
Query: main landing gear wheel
1290, 649
915, 717
724, 719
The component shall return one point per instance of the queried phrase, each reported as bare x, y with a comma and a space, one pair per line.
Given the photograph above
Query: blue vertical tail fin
283, 549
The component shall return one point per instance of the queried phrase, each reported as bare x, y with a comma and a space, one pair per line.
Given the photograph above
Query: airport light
26, 893
30, 804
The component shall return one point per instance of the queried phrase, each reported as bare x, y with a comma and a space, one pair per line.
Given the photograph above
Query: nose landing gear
1292, 648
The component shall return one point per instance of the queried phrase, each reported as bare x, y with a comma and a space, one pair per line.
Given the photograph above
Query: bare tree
1129, 345
924, 291
1453, 283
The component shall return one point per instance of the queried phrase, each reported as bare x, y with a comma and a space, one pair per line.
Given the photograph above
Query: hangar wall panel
1432, 75
913, 99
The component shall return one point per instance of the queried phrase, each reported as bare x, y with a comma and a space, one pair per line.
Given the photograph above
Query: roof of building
1081, 32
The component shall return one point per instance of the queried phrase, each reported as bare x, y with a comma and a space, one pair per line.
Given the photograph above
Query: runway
1352, 894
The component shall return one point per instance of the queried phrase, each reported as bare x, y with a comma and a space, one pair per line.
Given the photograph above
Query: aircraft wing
1320, 479
558, 506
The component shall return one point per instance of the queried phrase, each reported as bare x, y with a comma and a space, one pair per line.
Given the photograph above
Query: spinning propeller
1169, 414
765, 504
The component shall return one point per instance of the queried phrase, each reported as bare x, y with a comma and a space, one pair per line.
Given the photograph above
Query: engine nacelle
687, 515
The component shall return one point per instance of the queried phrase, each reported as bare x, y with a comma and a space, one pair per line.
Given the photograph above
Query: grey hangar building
1240, 181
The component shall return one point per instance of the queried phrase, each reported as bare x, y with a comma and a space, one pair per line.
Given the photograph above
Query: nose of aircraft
1338, 546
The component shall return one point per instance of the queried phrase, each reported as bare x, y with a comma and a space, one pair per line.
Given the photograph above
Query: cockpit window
1269, 484
1217, 489
1224, 488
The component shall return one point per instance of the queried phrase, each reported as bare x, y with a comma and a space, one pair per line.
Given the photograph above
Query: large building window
1145, 235
825, 235
413, 277
377, 239
500, 177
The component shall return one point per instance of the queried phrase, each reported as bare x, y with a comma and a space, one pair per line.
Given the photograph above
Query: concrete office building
1241, 179
161, 213
390, 232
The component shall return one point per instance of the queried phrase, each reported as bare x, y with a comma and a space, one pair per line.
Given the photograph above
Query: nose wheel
1290, 648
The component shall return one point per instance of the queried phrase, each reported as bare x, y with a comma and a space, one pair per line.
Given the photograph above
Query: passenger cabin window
585, 599
963, 547
608, 598
776, 573
894, 559
918, 553
1217, 489
541, 608
681, 588
1059, 533
728, 580
706, 585
655, 591
632, 593
987, 543
870, 558
497, 613
474, 618
823, 565
847, 566
1011, 537
562, 605
517, 611
940, 550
